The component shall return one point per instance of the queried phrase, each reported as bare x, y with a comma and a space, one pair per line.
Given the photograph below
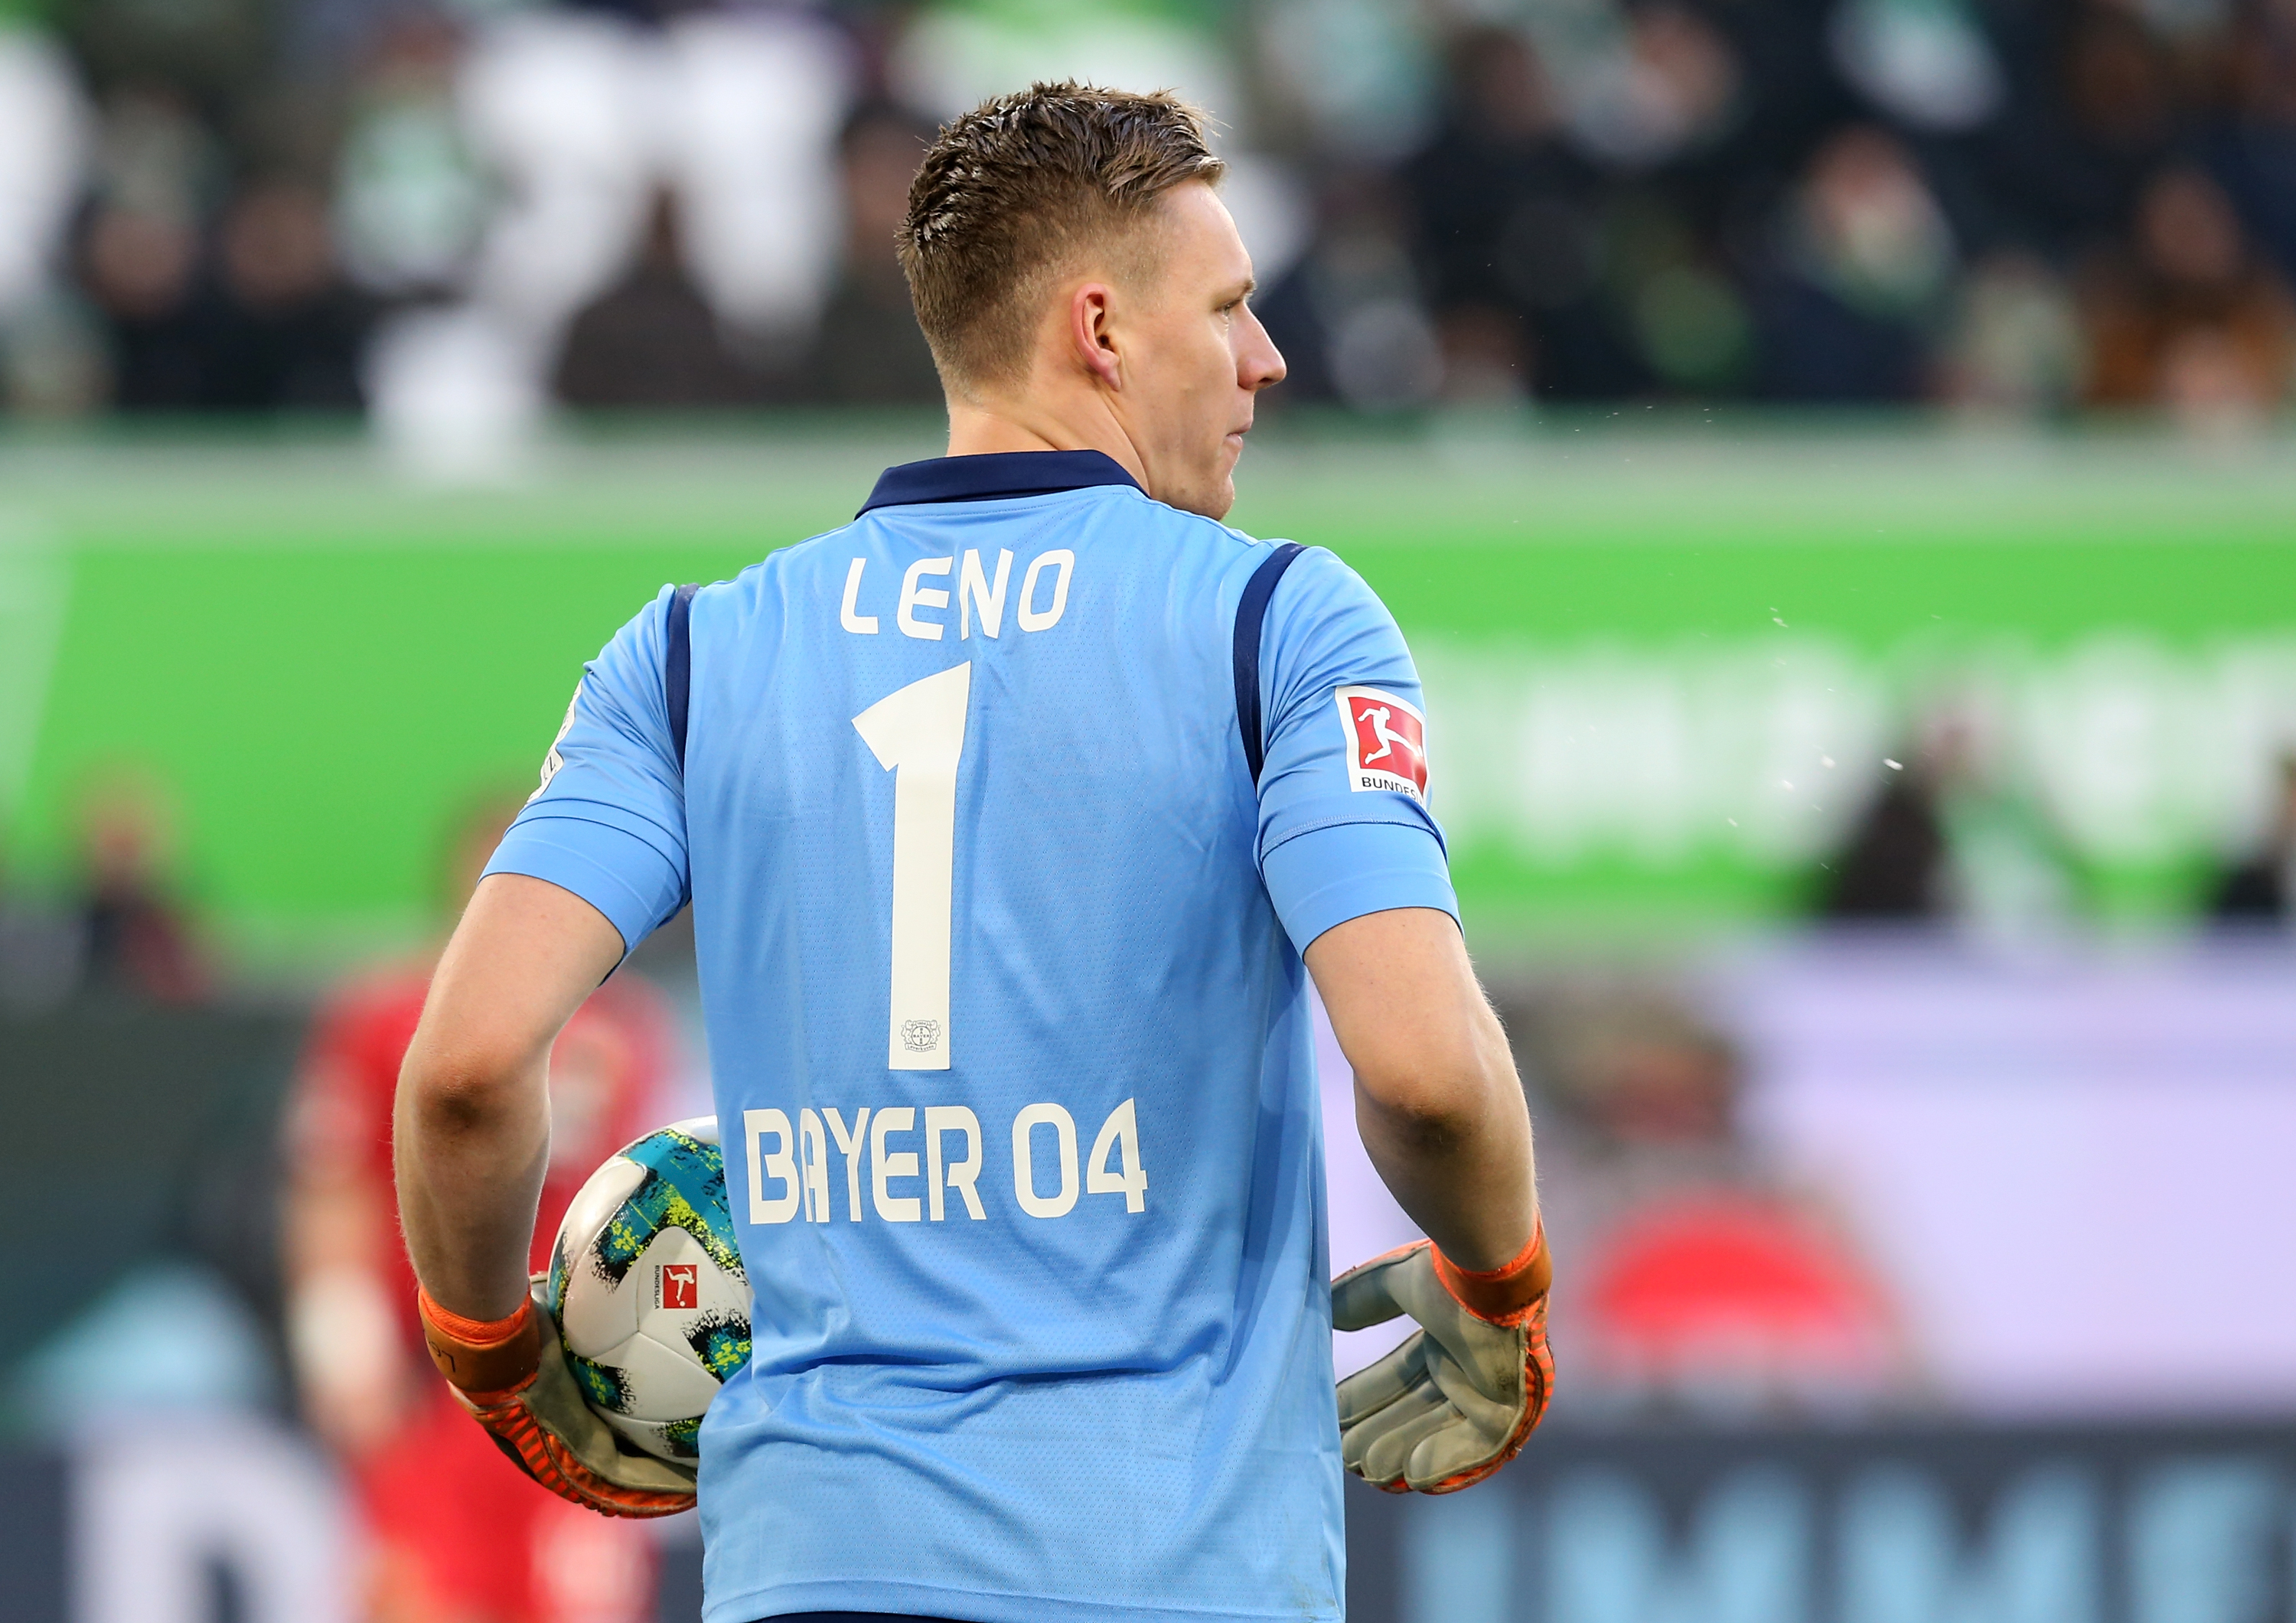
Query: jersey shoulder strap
1250, 621
678, 665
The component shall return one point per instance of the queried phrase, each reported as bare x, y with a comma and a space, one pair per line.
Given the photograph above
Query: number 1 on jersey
917, 734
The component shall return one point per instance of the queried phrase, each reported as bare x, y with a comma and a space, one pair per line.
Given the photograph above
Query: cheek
1195, 350
1211, 361
1227, 341
1189, 371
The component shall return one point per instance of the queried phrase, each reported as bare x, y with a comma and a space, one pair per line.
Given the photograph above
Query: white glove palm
1457, 1400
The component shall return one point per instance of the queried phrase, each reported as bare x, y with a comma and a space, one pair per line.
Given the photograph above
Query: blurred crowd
120, 928
1955, 835
451, 212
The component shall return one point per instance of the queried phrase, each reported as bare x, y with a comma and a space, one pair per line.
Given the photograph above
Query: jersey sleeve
1344, 828
609, 822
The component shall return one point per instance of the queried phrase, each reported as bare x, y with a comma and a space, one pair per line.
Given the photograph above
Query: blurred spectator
140, 267
2254, 151
1691, 328
275, 330
1358, 77
157, 156
1348, 319
1509, 225
2261, 888
1863, 269
652, 340
2122, 99
1668, 86
867, 351
1949, 836
1926, 61
1893, 866
1700, 1277
283, 332
140, 249
2016, 342
137, 939
453, 1530
409, 202
2188, 319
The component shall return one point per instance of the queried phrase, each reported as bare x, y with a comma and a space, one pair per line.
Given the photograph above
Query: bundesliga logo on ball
677, 1285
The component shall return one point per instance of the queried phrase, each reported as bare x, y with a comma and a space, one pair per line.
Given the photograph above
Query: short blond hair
1015, 190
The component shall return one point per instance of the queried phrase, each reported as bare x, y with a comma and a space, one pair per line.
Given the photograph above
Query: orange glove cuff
1505, 1293
484, 1358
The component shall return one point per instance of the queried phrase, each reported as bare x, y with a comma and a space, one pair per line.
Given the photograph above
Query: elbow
448, 1095
1426, 1105
1439, 1095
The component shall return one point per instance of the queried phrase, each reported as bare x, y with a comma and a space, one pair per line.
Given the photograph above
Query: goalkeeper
1015, 816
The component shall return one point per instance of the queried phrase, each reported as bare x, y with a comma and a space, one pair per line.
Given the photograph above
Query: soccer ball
652, 1302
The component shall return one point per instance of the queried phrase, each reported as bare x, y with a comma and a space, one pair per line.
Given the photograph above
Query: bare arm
472, 1123
1436, 1099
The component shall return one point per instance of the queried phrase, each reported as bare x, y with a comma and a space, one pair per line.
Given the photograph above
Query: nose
1257, 362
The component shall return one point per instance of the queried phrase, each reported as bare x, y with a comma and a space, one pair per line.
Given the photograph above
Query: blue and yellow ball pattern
647, 1287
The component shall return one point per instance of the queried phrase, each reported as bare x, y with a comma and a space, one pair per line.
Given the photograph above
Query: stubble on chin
1211, 499
1219, 485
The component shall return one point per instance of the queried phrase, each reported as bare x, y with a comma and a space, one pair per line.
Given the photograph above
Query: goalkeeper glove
512, 1377
1457, 1401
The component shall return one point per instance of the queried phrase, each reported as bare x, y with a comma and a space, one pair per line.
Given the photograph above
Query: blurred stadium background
1830, 457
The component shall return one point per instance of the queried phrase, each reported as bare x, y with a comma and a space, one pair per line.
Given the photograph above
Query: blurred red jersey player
454, 1533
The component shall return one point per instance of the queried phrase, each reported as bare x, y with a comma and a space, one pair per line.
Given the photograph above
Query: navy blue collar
998, 474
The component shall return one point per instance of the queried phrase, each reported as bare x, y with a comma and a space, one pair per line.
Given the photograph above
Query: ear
1093, 334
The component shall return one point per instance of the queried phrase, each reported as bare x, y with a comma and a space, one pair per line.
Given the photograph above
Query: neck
980, 428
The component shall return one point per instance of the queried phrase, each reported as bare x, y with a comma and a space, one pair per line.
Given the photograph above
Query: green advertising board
1666, 665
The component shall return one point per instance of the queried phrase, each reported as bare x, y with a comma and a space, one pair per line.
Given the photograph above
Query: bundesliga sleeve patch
552, 761
1387, 741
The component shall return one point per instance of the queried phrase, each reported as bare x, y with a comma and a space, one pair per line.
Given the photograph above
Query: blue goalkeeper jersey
999, 947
